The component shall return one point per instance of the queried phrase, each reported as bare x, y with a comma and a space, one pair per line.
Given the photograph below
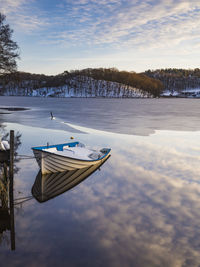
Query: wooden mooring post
11, 165
11, 177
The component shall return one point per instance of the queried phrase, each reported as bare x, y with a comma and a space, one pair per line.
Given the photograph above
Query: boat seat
51, 149
95, 155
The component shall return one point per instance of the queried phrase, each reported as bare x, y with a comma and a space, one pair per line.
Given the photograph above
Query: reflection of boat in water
50, 185
68, 156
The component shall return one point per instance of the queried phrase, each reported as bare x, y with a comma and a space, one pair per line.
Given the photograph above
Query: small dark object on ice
52, 116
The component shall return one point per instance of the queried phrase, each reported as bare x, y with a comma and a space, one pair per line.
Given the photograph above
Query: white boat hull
52, 163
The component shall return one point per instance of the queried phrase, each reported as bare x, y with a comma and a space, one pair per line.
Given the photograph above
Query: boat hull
52, 163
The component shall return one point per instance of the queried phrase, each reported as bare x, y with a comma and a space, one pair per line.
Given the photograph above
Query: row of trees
175, 72
140, 81
176, 79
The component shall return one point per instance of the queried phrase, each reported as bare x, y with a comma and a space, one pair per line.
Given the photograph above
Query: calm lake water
140, 209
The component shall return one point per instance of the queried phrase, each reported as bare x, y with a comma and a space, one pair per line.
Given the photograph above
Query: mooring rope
25, 157
24, 200
20, 156
20, 198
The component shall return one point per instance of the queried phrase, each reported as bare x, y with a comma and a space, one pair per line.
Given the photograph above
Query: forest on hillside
176, 79
35, 81
176, 72
140, 81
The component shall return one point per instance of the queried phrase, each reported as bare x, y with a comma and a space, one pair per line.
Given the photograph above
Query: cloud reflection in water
146, 210
142, 209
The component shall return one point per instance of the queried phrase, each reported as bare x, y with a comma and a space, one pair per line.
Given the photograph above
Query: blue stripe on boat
59, 147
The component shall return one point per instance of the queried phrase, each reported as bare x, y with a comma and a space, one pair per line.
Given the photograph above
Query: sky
132, 35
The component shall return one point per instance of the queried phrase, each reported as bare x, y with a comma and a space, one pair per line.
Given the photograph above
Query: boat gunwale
39, 149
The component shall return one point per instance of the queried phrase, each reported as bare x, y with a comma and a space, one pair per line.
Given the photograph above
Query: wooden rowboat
67, 156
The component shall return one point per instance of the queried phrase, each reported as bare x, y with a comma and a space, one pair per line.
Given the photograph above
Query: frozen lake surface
140, 209
127, 116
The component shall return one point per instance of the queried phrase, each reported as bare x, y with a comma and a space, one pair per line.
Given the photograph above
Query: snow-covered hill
79, 86
178, 82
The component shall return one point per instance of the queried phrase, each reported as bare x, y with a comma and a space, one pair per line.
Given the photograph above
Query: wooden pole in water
11, 169
11, 176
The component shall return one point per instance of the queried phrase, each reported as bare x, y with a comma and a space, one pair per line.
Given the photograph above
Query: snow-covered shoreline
187, 93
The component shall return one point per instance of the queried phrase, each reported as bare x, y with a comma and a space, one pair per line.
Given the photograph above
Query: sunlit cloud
139, 24
132, 24
8, 6
22, 16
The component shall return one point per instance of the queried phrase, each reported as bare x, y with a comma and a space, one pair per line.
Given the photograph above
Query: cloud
118, 24
135, 23
8, 6
29, 24
23, 16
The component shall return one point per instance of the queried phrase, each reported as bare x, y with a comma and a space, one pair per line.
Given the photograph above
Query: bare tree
9, 50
